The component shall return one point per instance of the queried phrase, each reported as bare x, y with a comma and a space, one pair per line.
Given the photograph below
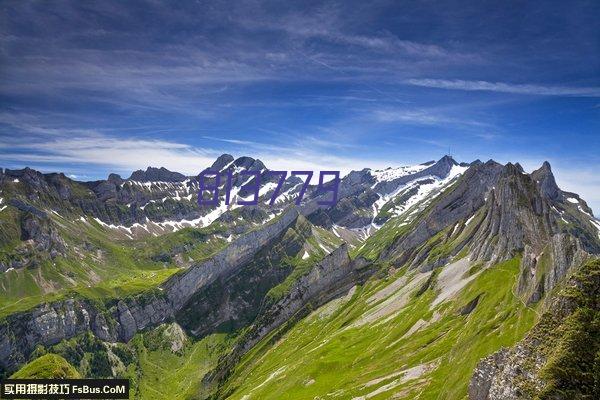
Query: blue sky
93, 88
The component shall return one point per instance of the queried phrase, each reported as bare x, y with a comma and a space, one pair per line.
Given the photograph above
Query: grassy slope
46, 367
163, 374
325, 355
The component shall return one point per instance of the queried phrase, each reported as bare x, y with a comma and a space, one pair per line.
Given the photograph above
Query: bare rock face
544, 177
221, 162
495, 376
516, 215
48, 324
44, 236
521, 217
40, 238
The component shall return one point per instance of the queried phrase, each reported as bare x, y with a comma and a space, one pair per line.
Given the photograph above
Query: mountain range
442, 280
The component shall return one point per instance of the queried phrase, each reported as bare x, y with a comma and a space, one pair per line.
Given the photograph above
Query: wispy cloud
108, 152
229, 140
507, 87
424, 117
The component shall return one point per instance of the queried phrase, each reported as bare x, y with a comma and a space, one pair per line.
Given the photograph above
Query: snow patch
572, 200
391, 173
424, 192
469, 220
454, 230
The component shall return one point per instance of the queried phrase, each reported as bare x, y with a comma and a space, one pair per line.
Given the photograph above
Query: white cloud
102, 150
507, 87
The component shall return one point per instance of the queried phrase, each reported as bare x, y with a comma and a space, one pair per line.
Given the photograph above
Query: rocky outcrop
326, 280
49, 324
152, 174
545, 179
40, 238
521, 217
515, 215
510, 214
233, 301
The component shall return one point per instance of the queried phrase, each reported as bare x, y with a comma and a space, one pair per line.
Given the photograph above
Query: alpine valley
442, 280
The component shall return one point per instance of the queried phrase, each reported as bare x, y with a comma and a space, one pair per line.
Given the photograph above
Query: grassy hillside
46, 367
365, 345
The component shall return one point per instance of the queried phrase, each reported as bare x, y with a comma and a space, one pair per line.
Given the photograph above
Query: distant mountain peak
442, 167
152, 174
447, 159
221, 162
115, 178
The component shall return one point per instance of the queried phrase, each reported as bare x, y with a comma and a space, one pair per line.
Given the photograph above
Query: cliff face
523, 215
234, 300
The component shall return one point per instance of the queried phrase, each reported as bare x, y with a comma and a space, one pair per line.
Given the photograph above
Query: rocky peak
519, 167
515, 215
545, 180
222, 162
442, 167
115, 178
34, 180
153, 174
459, 203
